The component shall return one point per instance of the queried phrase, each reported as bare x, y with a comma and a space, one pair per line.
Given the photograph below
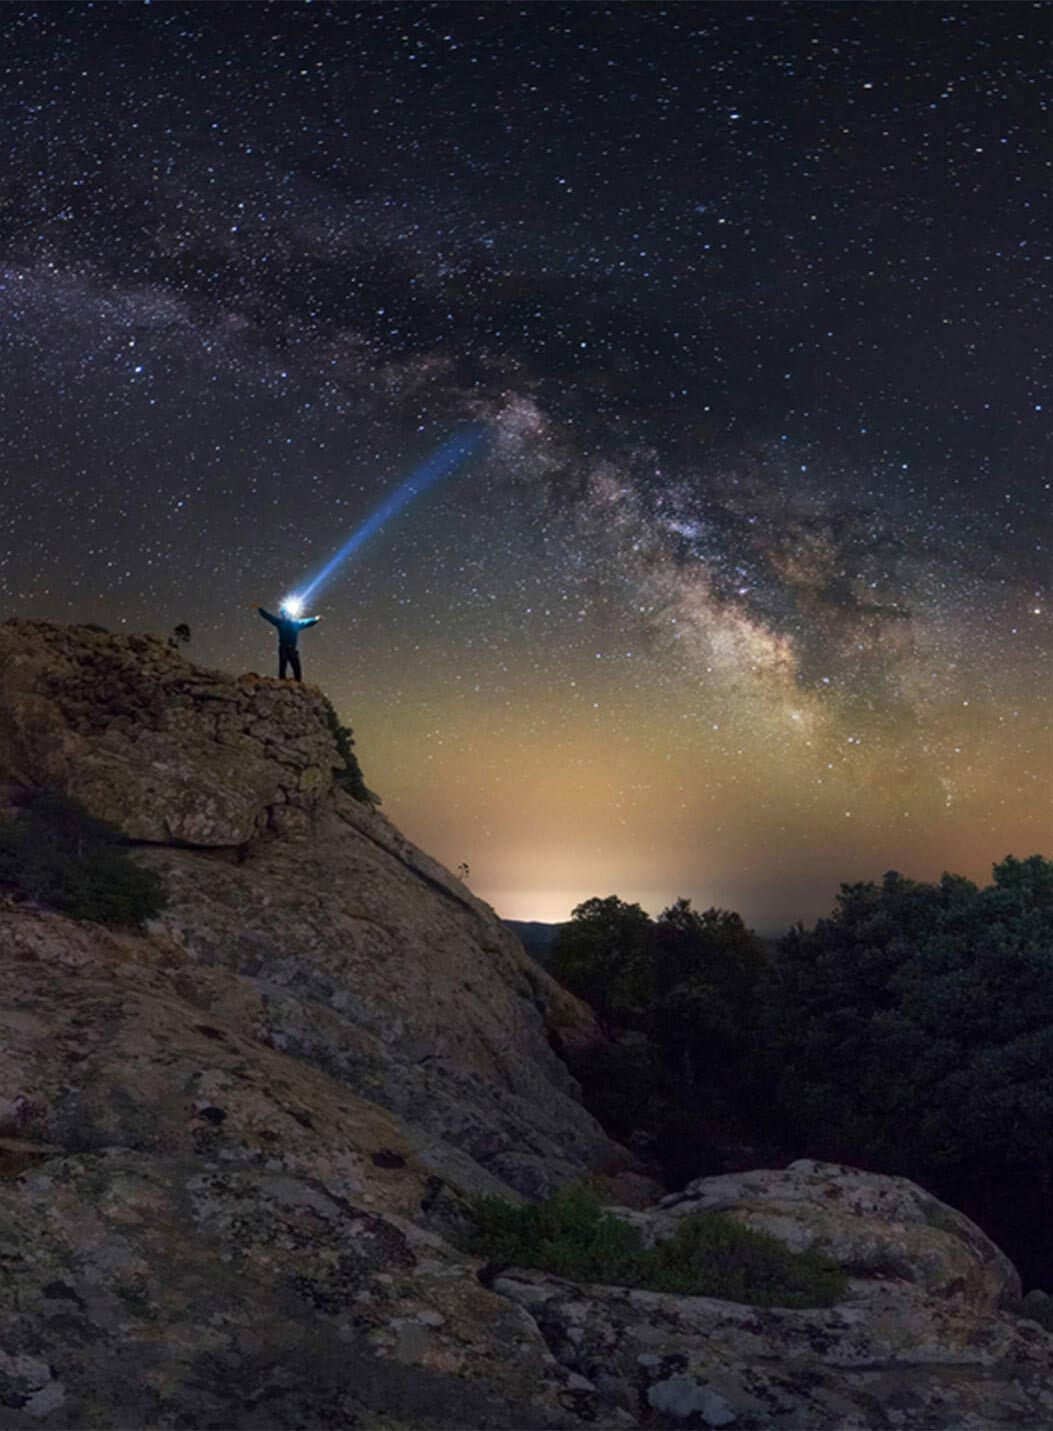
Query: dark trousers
289, 656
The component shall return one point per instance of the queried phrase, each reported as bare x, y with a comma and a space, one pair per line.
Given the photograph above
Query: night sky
746, 593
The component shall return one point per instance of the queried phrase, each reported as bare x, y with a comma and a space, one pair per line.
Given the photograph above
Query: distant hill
535, 937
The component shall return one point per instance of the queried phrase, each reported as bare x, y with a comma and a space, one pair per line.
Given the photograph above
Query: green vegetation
625, 1085
689, 981
350, 778
911, 1032
601, 955
915, 1031
709, 971
679, 995
56, 853
711, 1255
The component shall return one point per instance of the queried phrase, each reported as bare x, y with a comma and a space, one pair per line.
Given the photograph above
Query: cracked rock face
233, 1149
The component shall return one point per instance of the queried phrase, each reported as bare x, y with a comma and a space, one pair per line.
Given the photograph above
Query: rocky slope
232, 1148
360, 955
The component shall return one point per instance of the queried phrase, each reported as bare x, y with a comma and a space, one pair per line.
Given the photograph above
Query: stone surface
166, 751
170, 1291
262, 1245
886, 1357
361, 954
234, 1149
925, 1336
874, 1225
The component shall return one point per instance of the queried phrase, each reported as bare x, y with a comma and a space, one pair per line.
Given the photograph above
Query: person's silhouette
289, 628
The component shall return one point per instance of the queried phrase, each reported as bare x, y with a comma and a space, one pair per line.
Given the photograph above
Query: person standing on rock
289, 626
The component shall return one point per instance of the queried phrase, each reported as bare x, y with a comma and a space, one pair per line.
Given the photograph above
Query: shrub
57, 853
350, 778
711, 1255
570, 1235
714, 1256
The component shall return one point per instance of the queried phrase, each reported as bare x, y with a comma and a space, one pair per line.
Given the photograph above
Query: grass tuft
573, 1236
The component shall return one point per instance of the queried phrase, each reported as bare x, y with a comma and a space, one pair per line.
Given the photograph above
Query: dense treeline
910, 1032
679, 997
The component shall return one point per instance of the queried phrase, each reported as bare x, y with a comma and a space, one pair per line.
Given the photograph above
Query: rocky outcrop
923, 1338
234, 1148
256, 1241
879, 1227
168, 752
361, 955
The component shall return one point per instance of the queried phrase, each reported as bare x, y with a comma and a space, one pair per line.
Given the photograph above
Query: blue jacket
289, 627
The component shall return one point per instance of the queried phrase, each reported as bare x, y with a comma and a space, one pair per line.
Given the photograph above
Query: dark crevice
232, 854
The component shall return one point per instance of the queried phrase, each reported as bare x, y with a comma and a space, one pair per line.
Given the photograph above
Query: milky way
747, 593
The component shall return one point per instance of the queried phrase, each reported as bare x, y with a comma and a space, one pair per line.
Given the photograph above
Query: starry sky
746, 592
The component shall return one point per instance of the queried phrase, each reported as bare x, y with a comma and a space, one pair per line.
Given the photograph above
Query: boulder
875, 1226
925, 1336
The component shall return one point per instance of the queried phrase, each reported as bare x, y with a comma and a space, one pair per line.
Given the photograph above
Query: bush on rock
350, 778
56, 853
572, 1235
